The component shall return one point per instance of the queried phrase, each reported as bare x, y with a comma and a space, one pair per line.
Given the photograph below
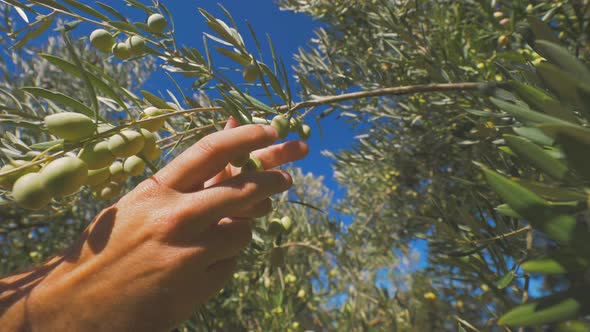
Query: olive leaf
96, 81
540, 100
560, 262
154, 100
537, 156
546, 310
561, 57
534, 134
111, 11
506, 210
560, 227
86, 9
524, 114
505, 280
60, 98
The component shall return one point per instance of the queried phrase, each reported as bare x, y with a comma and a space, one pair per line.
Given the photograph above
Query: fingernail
287, 177
271, 131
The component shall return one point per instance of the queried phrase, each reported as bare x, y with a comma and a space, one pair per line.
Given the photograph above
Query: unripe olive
287, 223
7, 181
290, 278
157, 23
70, 126
118, 172
280, 226
102, 40
149, 139
134, 166
503, 40
251, 73
498, 14
150, 150
275, 227
241, 161
277, 257
30, 193
121, 51
294, 125
98, 176
136, 45
97, 155
281, 124
152, 125
305, 132
126, 143
109, 192
151, 154
253, 165
64, 176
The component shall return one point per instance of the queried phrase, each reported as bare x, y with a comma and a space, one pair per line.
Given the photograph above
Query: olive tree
411, 176
414, 74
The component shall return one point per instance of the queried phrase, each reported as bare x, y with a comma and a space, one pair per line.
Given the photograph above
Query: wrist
16, 297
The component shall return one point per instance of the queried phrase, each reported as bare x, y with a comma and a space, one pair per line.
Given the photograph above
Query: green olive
7, 181
253, 165
70, 126
280, 226
102, 40
157, 23
151, 154
30, 193
281, 124
109, 192
98, 176
97, 155
118, 172
251, 73
294, 125
136, 45
241, 161
149, 138
64, 176
126, 143
305, 132
275, 227
121, 51
152, 125
287, 223
134, 166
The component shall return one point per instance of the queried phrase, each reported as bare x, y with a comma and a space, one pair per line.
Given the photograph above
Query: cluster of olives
134, 46
283, 126
103, 165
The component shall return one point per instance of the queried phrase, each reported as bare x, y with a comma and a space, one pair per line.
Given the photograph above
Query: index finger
211, 155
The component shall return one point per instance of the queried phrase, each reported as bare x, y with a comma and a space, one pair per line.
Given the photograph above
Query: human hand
169, 245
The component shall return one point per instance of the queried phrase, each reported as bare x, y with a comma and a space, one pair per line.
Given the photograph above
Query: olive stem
499, 237
392, 91
302, 244
88, 20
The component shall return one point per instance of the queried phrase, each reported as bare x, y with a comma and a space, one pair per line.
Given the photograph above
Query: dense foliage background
414, 178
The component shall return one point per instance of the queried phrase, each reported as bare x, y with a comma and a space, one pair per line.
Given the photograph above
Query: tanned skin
146, 262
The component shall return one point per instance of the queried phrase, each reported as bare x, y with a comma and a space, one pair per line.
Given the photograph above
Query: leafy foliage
411, 181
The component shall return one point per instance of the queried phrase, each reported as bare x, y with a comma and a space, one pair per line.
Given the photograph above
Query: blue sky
288, 32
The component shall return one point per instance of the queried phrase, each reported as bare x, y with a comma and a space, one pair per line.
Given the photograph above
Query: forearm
15, 297
57, 297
